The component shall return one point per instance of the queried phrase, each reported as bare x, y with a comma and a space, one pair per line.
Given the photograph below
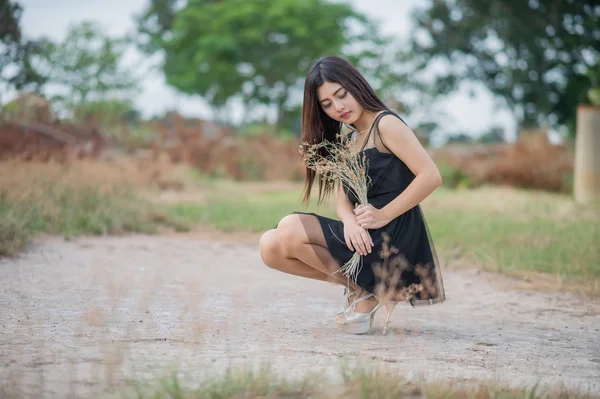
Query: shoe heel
390, 308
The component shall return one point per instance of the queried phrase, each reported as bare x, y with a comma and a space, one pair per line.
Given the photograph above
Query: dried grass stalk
388, 273
338, 162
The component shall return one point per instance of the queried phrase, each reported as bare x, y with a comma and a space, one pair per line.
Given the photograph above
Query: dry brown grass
30, 180
531, 162
255, 158
79, 197
219, 152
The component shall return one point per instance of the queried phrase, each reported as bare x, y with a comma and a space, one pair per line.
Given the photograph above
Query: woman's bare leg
301, 237
273, 256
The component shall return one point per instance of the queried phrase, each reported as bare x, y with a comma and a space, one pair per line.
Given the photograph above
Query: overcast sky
52, 17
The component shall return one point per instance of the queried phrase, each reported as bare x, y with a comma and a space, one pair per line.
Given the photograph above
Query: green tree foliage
594, 91
16, 68
154, 24
255, 51
535, 54
86, 65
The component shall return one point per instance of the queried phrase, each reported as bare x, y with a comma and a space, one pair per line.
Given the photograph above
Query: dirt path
77, 315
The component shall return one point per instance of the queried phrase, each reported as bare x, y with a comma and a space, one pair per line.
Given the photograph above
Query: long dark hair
316, 125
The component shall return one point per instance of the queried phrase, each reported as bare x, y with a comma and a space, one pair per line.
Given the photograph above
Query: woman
398, 257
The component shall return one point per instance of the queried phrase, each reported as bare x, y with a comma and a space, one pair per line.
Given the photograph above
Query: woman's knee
290, 233
269, 248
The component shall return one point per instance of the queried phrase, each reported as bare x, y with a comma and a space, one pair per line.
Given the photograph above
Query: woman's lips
344, 116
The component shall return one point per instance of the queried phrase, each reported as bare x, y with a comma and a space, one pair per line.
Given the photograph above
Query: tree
594, 91
15, 51
154, 23
86, 65
254, 52
534, 54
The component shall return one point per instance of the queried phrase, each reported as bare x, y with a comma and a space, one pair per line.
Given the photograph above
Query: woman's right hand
357, 238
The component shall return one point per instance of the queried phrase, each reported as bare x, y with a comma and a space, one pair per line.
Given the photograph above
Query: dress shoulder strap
376, 126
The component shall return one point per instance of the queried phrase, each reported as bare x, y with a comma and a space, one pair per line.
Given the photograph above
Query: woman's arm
403, 143
357, 238
344, 209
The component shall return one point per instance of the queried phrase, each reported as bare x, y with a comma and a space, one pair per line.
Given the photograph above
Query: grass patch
72, 199
356, 383
518, 231
234, 383
253, 212
379, 382
70, 212
503, 230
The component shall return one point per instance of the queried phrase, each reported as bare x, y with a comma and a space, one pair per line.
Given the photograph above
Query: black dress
403, 255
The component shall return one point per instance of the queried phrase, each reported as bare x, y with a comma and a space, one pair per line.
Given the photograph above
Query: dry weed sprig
389, 275
338, 162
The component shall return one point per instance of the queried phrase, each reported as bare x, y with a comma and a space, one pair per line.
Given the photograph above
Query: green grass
71, 212
356, 383
502, 230
234, 383
516, 231
534, 244
252, 213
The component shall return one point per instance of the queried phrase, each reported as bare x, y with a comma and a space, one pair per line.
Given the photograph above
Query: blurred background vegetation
540, 57
76, 153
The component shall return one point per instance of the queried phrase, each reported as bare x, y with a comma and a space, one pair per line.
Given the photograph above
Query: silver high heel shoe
361, 323
348, 305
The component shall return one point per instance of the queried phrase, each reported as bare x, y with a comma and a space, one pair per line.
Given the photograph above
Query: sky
471, 110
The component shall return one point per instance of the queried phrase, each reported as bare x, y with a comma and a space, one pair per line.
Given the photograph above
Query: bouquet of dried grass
338, 162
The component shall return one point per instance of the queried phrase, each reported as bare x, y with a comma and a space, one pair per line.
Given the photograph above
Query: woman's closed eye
343, 95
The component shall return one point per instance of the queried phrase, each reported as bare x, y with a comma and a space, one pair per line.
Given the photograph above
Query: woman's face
338, 103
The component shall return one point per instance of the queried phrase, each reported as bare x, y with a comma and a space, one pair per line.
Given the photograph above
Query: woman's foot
363, 302
367, 304
350, 295
360, 320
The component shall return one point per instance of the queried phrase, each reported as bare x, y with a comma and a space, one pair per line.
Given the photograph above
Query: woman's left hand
369, 217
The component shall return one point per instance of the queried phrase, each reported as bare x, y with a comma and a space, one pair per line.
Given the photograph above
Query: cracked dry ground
79, 316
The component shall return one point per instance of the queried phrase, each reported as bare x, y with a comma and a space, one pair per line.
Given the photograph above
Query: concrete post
586, 185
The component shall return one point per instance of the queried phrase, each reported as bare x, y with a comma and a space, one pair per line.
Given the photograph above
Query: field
517, 232
160, 273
